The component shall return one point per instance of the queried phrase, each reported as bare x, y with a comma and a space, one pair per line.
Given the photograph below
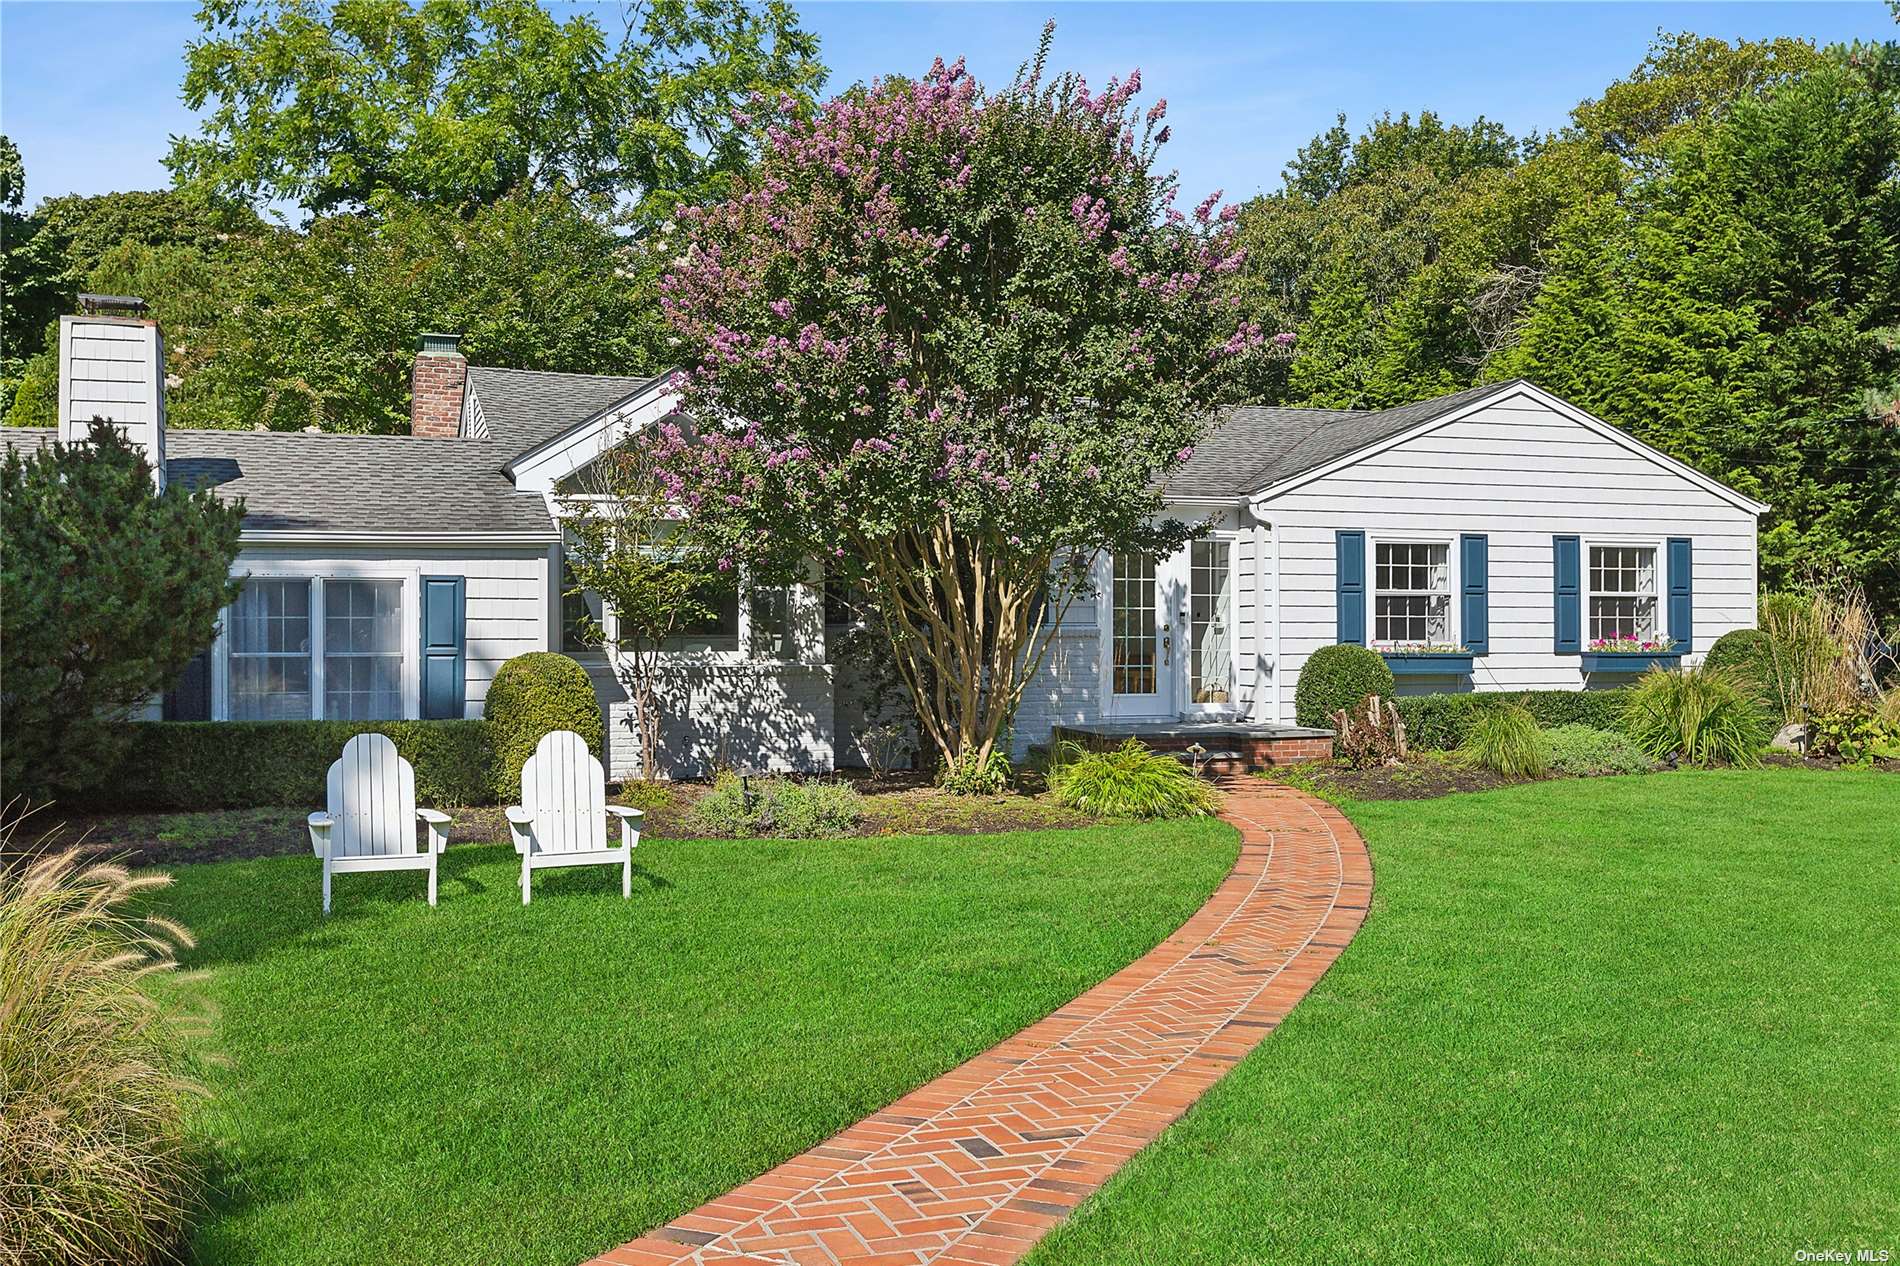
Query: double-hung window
362, 649
270, 669
304, 647
1622, 593
1411, 593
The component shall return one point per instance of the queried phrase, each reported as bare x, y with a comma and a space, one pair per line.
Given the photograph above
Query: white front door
1170, 632
1208, 622
1143, 602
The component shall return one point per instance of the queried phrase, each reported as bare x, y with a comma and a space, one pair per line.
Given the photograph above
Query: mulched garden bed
899, 804
1427, 775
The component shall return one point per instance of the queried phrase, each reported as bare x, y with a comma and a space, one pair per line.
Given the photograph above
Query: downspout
1279, 695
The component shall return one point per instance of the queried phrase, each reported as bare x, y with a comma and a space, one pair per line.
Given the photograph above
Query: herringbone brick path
974, 1167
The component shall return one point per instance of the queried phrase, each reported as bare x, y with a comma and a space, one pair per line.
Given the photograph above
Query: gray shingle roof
525, 408
1248, 441
1253, 447
394, 484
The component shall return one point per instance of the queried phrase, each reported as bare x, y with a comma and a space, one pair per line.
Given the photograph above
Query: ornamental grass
1128, 782
95, 1082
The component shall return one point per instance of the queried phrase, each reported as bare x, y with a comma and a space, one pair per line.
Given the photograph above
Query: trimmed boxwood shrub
533, 695
1443, 722
1336, 677
1751, 654
253, 764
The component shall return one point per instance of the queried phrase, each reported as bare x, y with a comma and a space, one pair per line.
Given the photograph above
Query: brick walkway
974, 1167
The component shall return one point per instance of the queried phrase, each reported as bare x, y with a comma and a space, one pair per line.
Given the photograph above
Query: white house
390, 576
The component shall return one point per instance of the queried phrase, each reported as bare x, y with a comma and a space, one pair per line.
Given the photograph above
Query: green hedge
1442, 722
251, 764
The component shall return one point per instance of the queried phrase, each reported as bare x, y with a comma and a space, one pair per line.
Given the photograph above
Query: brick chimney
435, 387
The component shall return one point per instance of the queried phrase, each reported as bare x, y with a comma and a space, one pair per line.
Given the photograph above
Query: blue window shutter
1681, 592
1568, 564
1351, 568
1474, 557
443, 671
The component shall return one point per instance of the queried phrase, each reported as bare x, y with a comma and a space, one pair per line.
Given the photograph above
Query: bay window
1622, 593
1411, 593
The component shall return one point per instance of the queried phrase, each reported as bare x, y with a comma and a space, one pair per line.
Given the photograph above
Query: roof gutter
305, 536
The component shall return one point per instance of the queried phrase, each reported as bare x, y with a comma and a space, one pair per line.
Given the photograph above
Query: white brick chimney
113, 367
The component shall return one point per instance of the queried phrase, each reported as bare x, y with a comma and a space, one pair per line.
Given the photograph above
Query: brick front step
976, 1166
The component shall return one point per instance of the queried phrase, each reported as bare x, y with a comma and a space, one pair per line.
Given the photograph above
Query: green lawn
1636, 1019
484, 1083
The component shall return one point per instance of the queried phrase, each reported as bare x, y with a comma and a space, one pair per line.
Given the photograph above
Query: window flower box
1630, 655
1427, 660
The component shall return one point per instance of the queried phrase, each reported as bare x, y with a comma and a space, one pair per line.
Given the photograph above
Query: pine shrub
534, 695
1336, 677
1128, 782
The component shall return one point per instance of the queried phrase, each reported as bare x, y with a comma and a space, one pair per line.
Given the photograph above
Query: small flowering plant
949, 342
1627, 645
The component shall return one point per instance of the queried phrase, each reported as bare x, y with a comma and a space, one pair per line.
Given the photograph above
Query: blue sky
89, 91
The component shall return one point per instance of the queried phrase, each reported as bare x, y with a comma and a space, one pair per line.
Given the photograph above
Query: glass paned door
1140, 647
1211, 624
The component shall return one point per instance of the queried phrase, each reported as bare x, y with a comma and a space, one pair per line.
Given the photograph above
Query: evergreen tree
111, 589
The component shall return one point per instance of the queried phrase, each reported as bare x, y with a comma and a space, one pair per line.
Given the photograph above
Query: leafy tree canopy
1334, 160
1703, 257
30, 272
1735, 308
454, 103
1686, 79
322, 326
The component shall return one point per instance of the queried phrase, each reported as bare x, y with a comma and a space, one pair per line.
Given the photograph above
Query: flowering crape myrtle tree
949, 342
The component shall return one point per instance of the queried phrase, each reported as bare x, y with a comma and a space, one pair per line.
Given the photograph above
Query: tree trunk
966, 631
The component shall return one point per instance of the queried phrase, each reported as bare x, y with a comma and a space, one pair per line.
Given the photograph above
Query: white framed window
269, 631
1411, 593
769, 633
362, 649
334, 645
1624, 583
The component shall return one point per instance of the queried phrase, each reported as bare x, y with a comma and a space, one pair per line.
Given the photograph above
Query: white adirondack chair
562, 817
371, 822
